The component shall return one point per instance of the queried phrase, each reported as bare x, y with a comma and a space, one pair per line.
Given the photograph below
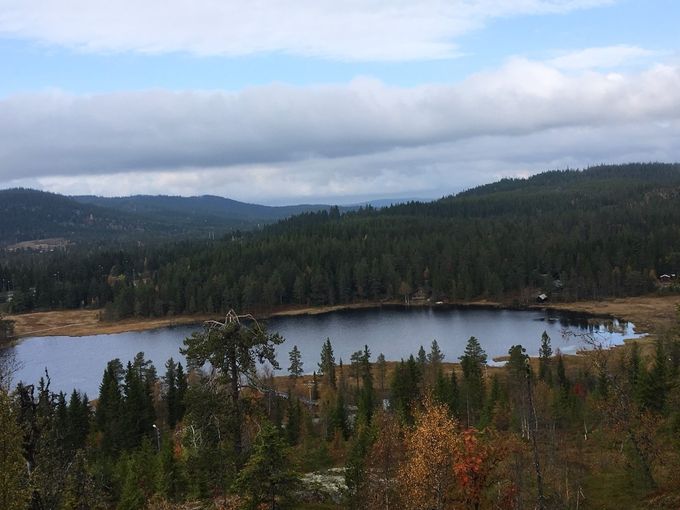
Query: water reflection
395, 332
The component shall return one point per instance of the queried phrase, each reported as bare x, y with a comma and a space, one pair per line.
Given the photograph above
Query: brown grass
86, 322
650, 314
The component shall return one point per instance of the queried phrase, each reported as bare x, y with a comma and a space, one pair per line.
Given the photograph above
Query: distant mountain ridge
206, 207
27, 214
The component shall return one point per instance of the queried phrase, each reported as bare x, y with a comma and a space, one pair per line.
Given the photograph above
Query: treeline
421, 433
603, 232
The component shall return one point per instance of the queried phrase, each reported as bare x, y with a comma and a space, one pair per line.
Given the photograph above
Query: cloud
58, 133
602, 57
367, 30
283, 142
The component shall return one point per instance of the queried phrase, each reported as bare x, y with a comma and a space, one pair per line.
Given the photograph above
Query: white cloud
283, 142
601, 58
367, 30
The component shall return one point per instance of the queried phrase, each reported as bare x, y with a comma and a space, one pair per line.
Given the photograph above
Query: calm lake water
78, 362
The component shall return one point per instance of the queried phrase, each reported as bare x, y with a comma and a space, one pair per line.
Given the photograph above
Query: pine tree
295, 368
233, 349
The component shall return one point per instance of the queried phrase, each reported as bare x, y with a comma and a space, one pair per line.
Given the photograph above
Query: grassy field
650, 314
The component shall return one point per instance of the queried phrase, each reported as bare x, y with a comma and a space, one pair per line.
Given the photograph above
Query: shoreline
649, 314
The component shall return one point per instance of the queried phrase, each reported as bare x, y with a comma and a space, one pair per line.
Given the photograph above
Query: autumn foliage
445, 467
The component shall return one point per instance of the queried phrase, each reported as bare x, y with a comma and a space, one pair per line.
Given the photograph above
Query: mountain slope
206, 209
27, 214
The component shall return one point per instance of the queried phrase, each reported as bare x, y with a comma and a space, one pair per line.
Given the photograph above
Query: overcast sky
337, 101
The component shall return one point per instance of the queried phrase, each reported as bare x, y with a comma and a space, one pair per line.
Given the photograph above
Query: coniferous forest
556, 432
608, 231
242, 425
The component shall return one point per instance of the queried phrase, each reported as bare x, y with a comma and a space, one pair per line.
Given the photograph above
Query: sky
289, 101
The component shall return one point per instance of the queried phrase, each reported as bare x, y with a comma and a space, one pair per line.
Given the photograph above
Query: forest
607, 231
230, 431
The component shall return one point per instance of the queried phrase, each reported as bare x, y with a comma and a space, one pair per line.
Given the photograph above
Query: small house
541, 298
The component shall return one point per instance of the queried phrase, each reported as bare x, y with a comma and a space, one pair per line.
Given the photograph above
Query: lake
78, 362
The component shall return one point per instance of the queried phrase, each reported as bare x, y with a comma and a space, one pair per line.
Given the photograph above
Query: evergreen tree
356, 473
366, 402
137, 410
181, 382
78, 422
267, 479
233, 349
473, 362
338, 417
137, 478
170, 481
170, 397
295, 368
327, 364
314, 392
436, 356
293, 421
13, 477
544, 359
381, 369
80, 490
422, 358
108, 415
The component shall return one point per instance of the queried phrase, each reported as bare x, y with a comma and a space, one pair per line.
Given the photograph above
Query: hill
607, 231
27, 214
205, 210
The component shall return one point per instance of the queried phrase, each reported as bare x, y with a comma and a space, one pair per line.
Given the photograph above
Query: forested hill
206, 209
27, 214
605, 231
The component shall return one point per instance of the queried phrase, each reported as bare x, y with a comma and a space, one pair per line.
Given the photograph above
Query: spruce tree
108, 415
436, 356
267, 480
473, 362
381, 369
295, 369
327, 364
181, 382
170, 394
544, 355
